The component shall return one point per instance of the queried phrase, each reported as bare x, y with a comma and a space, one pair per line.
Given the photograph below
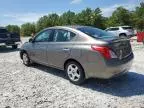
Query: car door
38, 51
60, 49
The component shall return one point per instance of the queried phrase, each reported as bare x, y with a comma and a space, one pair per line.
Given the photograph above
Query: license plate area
122, 49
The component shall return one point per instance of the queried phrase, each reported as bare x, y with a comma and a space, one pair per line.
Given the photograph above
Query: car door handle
66, 49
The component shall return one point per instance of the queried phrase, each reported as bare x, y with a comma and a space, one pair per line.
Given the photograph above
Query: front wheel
123, 36
26, 59
75, 73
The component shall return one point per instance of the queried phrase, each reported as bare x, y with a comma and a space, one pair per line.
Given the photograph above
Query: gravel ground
41, 87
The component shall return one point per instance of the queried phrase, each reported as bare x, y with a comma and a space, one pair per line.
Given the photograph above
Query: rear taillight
105, 51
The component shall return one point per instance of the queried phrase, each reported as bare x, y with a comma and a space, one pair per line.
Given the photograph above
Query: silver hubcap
73, 72
25, 59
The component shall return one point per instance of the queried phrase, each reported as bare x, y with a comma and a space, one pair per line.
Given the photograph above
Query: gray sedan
81, 51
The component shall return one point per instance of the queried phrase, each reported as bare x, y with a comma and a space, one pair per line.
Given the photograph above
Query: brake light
105, 51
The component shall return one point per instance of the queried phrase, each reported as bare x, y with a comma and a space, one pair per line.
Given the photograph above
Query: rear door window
63, 35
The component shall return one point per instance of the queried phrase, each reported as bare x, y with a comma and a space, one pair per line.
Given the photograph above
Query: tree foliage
68, 18
13, 28
120, 16
28, 29
89, 17
139, 17
48, 21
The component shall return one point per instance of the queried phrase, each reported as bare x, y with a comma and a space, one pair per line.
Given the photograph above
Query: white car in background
122, 31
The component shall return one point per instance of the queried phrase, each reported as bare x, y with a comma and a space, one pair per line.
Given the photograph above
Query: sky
18, 12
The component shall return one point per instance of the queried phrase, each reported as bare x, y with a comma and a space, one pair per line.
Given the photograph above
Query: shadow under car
127, 85
4, 49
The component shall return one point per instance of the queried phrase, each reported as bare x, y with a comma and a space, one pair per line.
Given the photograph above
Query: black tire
123, 36
14, 46
80, 71
26, 59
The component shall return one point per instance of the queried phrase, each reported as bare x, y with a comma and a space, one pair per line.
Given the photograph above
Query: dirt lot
42, 87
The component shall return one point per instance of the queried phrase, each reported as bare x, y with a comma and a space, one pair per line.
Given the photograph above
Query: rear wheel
75, 72
14, 46
123, 36
26, 60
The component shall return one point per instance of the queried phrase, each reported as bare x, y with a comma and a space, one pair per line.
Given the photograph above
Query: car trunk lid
121, 47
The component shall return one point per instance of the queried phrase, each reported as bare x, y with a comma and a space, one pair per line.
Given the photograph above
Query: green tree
27, 29
91, 17
85, 17
98, 19
53, 20
48, 21
13, 28
68, 18
120, 17
42, 23
138, 17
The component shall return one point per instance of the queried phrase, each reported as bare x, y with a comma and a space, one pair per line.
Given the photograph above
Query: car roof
77, 26
119, 26
69, 26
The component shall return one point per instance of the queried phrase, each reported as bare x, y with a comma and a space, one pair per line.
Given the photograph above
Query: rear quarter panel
91, 61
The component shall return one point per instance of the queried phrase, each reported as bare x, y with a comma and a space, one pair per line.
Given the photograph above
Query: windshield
96, 33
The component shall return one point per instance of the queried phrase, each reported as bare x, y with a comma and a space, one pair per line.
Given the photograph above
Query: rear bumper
11, 41
106, 71
112, 71
2, 44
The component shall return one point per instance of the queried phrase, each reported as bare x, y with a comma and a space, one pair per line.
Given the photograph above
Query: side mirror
31, 40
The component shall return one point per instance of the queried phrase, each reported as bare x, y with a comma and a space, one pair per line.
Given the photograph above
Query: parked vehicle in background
122, 31
9, 39
82, 51
140, 37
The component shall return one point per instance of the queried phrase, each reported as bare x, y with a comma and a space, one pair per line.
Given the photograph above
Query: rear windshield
3, 31
96, 33
125, 28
